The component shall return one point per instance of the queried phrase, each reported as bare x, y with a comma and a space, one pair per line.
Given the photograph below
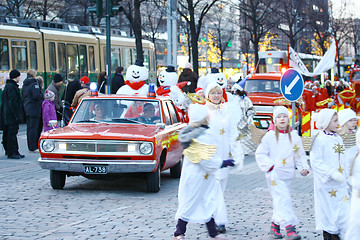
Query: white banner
327, 61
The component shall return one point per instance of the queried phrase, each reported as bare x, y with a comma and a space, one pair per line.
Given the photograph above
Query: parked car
115, 134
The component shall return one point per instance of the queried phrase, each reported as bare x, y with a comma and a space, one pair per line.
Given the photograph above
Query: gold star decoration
339, 148
230, 155
296, 148
222, 131
206, 176
273, 183
340, 170
345, 199
283, 161
332, 193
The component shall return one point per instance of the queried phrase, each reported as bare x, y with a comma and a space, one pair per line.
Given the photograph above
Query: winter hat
199, 89
188, 65
236, 86
49, 94
84, 80
346, 115
197, 113
279, 110
14, 74
58, 78
324, 117
210, 87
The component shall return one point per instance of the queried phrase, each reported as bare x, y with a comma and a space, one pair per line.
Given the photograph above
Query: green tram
73, 54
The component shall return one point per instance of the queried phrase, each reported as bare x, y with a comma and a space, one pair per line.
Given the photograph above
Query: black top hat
139, 62
170, 69
214, 70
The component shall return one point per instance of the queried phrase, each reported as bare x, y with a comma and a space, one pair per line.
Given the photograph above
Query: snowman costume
353, 231
168, 79
220, 79
136, 75
200, 195
278, 158
330, 188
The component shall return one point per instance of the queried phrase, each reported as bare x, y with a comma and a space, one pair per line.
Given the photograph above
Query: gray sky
352, 8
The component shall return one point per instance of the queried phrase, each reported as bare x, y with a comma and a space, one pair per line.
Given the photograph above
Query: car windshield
131, 111
356, 75
262, 85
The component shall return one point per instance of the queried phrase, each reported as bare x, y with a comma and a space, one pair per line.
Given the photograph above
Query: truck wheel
175, 171
57, 179
153, 181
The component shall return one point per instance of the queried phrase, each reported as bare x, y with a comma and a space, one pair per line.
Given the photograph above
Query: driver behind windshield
149, 114
98, 112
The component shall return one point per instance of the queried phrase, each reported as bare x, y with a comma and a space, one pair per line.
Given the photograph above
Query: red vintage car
115, 134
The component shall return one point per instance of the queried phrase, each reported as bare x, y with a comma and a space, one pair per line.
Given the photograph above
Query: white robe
331, 197
353, 230
284, 156
127, 90
200, 195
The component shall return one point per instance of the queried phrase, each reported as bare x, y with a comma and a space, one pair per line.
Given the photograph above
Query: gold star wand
340, 150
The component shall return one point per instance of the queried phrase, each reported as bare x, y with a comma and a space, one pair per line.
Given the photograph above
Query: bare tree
194, 12
257, 19
18, 8
354, 33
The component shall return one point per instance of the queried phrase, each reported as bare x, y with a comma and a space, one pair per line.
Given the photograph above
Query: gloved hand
228, 162
338, 177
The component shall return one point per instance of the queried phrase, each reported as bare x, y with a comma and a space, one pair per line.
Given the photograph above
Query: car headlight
145, 148
48, 145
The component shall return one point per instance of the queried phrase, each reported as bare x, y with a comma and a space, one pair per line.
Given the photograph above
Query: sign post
292, 87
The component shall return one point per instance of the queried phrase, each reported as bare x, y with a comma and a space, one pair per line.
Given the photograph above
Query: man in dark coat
11, 112
32, 98
71, 88
118, 80
190, 76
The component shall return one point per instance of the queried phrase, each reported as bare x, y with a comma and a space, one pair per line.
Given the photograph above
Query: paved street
121, 209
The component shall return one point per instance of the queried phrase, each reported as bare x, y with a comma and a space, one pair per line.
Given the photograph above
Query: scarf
135, 85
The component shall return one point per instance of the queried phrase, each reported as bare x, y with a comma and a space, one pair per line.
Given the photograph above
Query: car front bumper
118, 166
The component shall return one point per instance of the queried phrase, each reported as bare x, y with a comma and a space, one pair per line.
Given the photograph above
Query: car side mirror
160, 125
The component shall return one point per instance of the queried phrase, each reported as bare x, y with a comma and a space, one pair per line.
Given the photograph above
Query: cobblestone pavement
121, 209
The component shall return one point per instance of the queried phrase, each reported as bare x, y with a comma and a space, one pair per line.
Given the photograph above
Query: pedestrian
11, 113
55, 87
40, 81
353, 230
72, 86
190, 76
101, 81
223, 121
32, 98
247, 111
118, 80
200, 194
278, 155
330, 188
48, 111
83, 92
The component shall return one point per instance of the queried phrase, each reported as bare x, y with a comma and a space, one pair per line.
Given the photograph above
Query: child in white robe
200, 195
330, 188
278, 154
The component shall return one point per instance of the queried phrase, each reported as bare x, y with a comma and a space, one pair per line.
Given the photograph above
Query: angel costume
278, 159
331, 197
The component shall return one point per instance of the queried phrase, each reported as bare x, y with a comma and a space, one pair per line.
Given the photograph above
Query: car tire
57, 179
175, 171
153, 181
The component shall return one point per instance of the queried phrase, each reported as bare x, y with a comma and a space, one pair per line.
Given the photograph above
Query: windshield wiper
90, 120
127, 120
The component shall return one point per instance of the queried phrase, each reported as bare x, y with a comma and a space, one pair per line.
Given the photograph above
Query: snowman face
168, 78
219, 78
136, 73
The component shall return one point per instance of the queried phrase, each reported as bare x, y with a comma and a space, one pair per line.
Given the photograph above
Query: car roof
123, 96
263, 76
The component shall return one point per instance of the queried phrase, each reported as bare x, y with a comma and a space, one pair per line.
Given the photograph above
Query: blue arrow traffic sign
292, 85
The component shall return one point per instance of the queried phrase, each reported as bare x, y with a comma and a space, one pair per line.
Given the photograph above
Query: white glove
338, 177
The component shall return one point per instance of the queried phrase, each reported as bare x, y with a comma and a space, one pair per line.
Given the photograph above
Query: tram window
146, 59
92, 58
133, 55
33, 55
126, 54
52, 56
62, 58
115, 58
4, 54
83, 61
73, 61
19, 54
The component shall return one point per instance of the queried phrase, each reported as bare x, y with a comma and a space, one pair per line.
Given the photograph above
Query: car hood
103, 131
264, 98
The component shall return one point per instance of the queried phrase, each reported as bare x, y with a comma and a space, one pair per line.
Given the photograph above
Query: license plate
95, 170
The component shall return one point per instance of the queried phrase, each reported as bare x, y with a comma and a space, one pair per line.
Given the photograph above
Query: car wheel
57, 179
153, 181
175, 171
